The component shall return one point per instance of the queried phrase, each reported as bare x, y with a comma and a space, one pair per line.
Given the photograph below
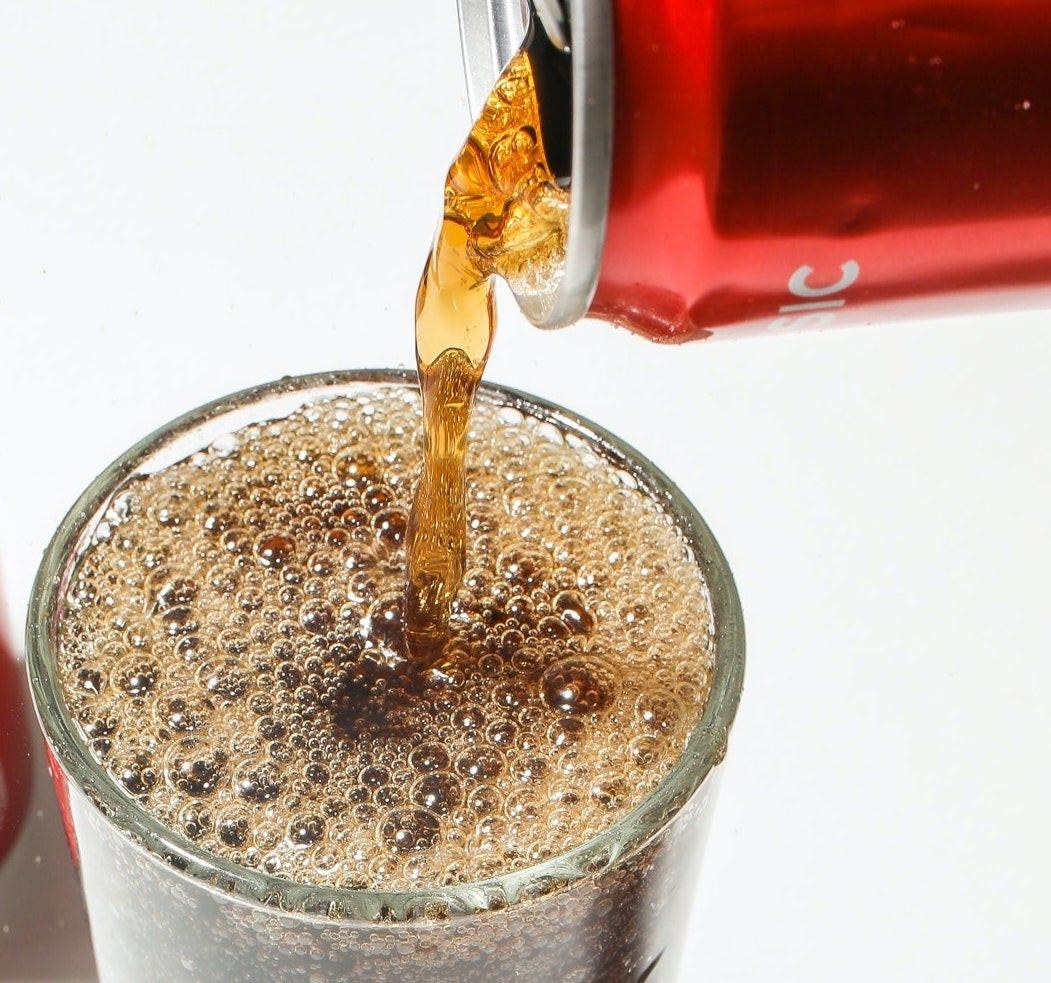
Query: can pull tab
554, 16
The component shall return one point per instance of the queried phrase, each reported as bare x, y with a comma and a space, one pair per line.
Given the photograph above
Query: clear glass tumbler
611, 909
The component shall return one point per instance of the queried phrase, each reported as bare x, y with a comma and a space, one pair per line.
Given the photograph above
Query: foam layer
232, 650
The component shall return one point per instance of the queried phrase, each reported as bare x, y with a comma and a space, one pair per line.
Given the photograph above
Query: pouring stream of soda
504, 216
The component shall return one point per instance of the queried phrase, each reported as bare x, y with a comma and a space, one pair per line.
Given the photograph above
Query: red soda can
14, 749
752, 165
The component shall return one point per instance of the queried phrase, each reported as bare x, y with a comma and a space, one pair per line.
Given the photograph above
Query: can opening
570, 45
553, 71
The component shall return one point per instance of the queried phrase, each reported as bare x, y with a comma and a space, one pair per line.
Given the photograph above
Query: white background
197, 197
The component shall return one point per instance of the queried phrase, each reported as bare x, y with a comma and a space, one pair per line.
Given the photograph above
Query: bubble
659, 712
529, 769
411, 830
236, 542
647, 751
288, 674
490, 665
192, 649
354, 518
326, 860
306, 830
279, 752
259, 781
251, 599
322, 563
479, 764
610, 790
574, 613
194, 820
391, 526
484, 800
179, 621
579, 685
376, 498
468, 718
337, 538
194, 768
224, 677
522, 806
374, 776
365, 814
553, 628
387, 796
271, 728
502, 733
355, 470
429, 757
293, 573
306, 450
275, 549
635, 614
182, 711
231, 640
362, 588
135, 675
168, 515
98, 721
511, 641
219, 521
523, 569
565, 794
134, 771
385, 621
521, 608
512, 694
317, 617
333, 807
566, 730
90, 680
437, 791
527, 660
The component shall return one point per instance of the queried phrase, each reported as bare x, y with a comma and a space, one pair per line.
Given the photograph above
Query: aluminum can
759, 165
14, 749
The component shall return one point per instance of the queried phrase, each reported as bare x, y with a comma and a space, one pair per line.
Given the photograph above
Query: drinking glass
614, 908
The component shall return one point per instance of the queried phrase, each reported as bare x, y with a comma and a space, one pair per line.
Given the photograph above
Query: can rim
491, 32
705, 748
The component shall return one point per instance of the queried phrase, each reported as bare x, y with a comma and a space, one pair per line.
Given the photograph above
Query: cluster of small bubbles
233, 651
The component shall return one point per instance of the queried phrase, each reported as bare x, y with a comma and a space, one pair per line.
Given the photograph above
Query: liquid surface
504, 216
231, 649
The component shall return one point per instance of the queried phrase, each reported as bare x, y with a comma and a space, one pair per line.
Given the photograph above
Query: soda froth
232, 649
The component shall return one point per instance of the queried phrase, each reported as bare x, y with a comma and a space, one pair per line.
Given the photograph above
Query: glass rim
704, 750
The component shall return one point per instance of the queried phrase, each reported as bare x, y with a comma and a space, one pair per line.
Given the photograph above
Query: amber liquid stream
504, 215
